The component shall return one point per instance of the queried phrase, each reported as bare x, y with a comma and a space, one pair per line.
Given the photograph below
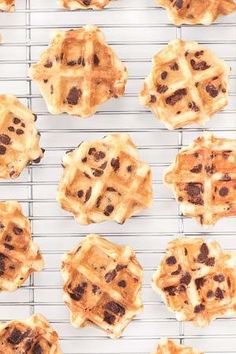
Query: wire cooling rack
136, 29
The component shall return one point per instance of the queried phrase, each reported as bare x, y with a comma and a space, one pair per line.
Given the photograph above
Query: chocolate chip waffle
105, 180
197, 280
187, 84
197, 12
203, 178
167, 346
19, 138
78, 72
7, 5
33, 336
19, 256
102, 284
83, 4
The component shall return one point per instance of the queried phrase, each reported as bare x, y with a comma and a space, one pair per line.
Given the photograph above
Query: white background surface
136, 29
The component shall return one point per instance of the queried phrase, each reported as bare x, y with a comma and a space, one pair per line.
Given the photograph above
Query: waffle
7, 5
187, 84
78, 72
167, 346
33, 336
105, 180
19, 138
19, 256
102, 284
197, 280
203, 178
83, 4
196, 11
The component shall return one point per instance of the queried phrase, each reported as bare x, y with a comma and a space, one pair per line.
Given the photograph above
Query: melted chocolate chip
202, 65
199, 308
171, 290
179, 4
74, 96
176, 272
91, 151
129, 169
11, 129
164, 75
115, 308
210, 294
224, 191
219, 278
37, 349
212, 90
186, 278
177, 96
122, 283
17, 230
111, 189
88, 194
79, 291
99, 155
219, 294
109, 318
19, 131
119, 267
87, 2
193, 189
2, 149
108, 210
161, 88
80, 193
16, 120
96, 59
71, 63
48, 64
210, 262
153, 99
174, 67
5, 139
15, 337
192, 105
95, 289
199, 282
110, 275
196, 169
115, 163
171, 260
97, 173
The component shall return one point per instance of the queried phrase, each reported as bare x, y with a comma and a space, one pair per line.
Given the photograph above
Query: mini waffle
33, 336
167, 346
197, 280
83, 4
78, 72
187, 84
19, 138
102, 284
203, 178
19, 256
105, 180
196, 11
7, 5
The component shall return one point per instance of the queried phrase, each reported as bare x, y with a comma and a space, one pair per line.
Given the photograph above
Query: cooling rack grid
136, 29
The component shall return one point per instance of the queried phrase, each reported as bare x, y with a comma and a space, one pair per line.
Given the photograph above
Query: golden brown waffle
83, 4
187, 84
7, 5
197, 11
19, 256
167, 346
105, 180
78, 72
19, 138
197, 280
33, 336
102, 284
203, 178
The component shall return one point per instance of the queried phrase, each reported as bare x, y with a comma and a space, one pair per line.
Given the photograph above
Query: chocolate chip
210, 262
204, 249
199, 53
171, 290
161, 88
192, 105
111, 189
196, 169
176, 272
122, 284
129, 168
97, 173
110, 275
119, 267
80, 193
71, 63
153, 99
179, 4
177, 96
210, 294
219, 294
202, 65
5, 139
199, 308
115, 308
9, 247
48, 64
193, 189
15, 337
164, 75
74, 96
88, 194
199, 282
95, 289
87, 2
108, 210
223, 191
2, 265
19, 131
84, 159
171, 260
212, 90
96, 59
11, 129
219, 278
99, 155
79, 291
91, 151
115, 163
2, 149
186, 278
16, 120
98, 202
174, 67
17, 230
37, 349
108, 317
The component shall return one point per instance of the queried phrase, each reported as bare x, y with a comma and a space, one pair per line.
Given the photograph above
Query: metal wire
47, 204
